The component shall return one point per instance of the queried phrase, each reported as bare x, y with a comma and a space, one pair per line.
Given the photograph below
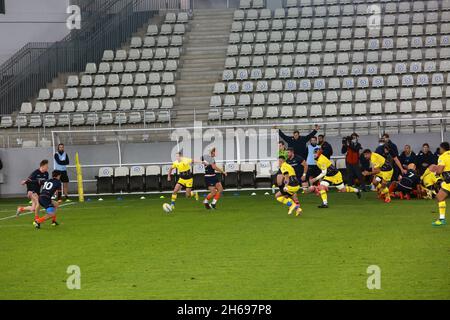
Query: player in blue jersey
49, 189
211, 179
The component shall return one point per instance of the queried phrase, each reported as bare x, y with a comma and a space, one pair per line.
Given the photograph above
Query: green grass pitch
247, 249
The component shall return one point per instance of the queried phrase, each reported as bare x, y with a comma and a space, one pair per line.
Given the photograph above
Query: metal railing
105, 25
373, 126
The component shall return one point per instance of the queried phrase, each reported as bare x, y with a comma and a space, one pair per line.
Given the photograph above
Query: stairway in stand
202, 64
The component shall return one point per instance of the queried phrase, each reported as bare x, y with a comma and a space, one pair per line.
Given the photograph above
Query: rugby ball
167, 207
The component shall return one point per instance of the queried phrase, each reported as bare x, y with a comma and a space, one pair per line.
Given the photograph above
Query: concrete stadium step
201, 63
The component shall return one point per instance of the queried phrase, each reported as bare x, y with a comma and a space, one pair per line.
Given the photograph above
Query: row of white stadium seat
344, 96
113, 79
160, 41
333, 46
97, 105
343, 58
266, 168
341, 22
297, 114
338, 10
88, 119
408, 80
132, 66
378, 75
333, 108
264, 35
113, 92
141, 54
418, 5
172, 17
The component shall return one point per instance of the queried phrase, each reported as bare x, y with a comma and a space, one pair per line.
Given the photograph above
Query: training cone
100, 199
162, 197
267, 194
142, 198
253, 194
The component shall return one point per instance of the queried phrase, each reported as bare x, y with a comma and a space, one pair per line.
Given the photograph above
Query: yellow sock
350, 189
385, 191
324, 196
284, 200
378, 187
442, 207
174, 198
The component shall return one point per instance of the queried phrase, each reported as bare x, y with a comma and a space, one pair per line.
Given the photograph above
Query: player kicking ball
185, 177
211, 180
330, 175
288, 196
34, 183
45, 200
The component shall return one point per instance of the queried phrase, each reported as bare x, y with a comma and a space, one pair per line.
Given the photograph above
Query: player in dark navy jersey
407, 184
34, 183
49, 189
211, 180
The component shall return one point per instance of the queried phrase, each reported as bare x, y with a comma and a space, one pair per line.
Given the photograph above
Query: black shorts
64, 177
33, 189
313, 171
45, 202
403, 189
211, 181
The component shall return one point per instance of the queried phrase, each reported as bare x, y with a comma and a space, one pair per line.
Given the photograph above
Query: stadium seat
231, 179
121, 176
152, 178
247, 176
105, 180
198, 171
6, 122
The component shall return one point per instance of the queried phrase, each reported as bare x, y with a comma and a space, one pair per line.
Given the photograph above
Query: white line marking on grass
27, 213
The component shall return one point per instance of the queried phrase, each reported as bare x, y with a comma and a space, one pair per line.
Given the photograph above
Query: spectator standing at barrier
327, 149
299, 142
352, 148
313, 169
1, 164
407, 156
61, 162
425, 158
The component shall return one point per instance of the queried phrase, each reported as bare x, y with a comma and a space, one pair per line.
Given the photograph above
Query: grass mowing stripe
247, 249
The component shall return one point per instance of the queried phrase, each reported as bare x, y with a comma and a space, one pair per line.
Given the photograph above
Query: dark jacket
1, 164
406, 160
423, 160
327, 149
299, 144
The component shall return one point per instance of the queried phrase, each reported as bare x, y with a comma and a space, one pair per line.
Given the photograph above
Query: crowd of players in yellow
434, 183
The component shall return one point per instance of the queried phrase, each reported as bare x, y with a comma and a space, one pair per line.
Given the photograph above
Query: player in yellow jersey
185, 177
443, 168
382, 172
288, 195
329, 176
430, 183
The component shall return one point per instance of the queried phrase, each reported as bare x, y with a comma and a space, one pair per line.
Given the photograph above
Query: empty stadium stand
323, 60
133, 84
341, 62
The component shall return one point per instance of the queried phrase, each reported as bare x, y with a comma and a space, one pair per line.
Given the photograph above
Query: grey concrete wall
18, 163
31, 21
